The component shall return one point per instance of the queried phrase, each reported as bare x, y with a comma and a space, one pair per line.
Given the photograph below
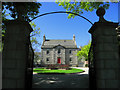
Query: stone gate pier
15, 54
105, 52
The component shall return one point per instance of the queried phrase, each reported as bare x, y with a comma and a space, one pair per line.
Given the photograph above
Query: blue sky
58, 26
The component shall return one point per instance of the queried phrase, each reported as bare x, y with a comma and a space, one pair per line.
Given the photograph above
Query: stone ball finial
101, 12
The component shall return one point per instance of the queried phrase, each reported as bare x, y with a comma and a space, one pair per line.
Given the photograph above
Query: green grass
43, 70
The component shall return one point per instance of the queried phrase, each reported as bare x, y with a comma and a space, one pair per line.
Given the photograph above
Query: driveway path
80, 80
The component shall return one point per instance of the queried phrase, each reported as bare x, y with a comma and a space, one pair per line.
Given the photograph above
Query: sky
58, 26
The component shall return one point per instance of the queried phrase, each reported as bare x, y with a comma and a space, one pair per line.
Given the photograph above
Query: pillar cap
100, 13
102, 23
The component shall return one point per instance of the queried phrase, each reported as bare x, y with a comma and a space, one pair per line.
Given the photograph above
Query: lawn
43, 70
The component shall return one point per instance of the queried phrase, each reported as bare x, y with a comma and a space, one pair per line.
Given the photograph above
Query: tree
78, 7
84, 52
26, 10
4, 15
35, 33
35, 43
37, 57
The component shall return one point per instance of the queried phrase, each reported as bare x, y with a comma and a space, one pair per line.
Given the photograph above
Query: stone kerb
106, 53
15, 55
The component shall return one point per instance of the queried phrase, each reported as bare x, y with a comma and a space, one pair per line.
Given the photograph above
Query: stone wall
61, 54
64, 55
45, 55
72, 56
15, 54
106, 54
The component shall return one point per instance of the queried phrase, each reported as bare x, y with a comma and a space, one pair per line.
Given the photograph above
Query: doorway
59, 60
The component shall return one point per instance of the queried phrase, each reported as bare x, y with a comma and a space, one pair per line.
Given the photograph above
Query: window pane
70, 51
58, 50
47, 59
47, 51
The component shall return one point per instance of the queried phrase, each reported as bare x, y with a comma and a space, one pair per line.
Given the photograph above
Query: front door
59, 60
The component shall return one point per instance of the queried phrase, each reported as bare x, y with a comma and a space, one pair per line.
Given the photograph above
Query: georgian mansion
59, 52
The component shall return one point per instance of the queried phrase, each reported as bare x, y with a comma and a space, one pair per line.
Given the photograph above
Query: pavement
79, 80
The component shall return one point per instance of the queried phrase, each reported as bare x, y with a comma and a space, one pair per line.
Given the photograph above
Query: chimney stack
80, 47
73, 37
44, 38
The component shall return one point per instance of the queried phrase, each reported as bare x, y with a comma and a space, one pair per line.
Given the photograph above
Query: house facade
59, 52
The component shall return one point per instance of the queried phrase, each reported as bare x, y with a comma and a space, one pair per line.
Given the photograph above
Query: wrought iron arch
61, 12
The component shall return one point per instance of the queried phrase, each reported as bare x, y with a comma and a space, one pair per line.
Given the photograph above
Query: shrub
53, 66
76, 65
50, 66
86, 65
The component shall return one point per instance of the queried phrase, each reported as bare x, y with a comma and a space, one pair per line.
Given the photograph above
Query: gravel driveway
80, 80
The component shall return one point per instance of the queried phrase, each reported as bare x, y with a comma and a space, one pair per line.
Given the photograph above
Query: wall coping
102, 24
9, 22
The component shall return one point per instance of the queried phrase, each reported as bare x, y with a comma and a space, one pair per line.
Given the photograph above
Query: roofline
59, 39
52, 48
58, 45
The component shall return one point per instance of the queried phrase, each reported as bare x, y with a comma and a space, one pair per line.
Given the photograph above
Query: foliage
78, 7
53, 66
35, 43
84, 52
4, 15
86, 65
26, 9
35, 33
37, 57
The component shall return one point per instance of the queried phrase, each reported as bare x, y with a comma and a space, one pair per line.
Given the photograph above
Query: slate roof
64, 43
